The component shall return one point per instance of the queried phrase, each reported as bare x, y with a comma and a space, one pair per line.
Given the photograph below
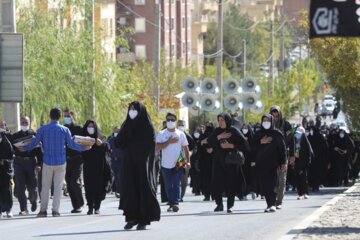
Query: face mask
133, 113
342, 135
115, 134
245, 130
311, 132
307, 133
24, 128
181, 128
266, 125
170, 125
91, 130
67, 120
196, 135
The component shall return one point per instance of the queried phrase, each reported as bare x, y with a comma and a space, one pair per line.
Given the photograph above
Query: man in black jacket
25, 166
74, 165
6, 172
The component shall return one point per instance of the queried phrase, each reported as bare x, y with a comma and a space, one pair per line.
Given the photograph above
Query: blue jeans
172, 180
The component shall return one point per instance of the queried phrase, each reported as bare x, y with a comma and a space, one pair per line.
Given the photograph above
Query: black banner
334, 18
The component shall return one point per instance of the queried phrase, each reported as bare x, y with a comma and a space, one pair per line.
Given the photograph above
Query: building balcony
199, 27
207, 6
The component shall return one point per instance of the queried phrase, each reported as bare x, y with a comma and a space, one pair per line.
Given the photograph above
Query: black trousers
25, 179
301, 183
6, 200
270, 198
72, 177
230, 200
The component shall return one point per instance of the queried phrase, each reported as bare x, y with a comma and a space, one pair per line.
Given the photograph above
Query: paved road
195, 220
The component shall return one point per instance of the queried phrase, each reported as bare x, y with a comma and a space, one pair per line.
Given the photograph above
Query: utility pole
219, 59
90, 26
282, 41
243, 63
243, 73
11, 111
157, 54
271, 60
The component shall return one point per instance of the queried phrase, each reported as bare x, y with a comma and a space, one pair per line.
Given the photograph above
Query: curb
298, 229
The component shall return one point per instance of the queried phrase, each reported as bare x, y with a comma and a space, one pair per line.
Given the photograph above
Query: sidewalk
340, 218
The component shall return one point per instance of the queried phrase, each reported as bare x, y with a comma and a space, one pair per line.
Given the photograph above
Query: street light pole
219, 59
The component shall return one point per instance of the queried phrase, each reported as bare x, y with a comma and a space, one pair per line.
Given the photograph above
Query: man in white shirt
174, 146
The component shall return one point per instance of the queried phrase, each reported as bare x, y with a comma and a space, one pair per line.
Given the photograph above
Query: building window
140, 25
139, 2
172, 24
167, 24
172, 53
111, 27
140, 51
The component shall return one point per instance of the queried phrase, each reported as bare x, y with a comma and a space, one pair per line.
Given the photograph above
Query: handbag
235, 157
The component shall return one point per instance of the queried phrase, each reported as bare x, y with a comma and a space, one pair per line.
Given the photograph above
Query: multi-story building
175, 28
256, 8
294, 9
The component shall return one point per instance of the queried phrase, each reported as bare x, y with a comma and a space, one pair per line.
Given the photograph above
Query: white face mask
91, 130
298, 135
181, 128
266, 125
196, 135
170, 125
311, 132
67, 120
24, 128
342, 135
245, 130
115, 134
133, 114
307, 133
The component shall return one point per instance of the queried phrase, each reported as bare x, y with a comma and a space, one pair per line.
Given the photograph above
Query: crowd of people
232, 160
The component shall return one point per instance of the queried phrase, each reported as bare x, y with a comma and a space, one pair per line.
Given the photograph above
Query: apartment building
175, 28
256, 9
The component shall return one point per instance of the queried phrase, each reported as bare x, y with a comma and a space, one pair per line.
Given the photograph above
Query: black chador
138, 196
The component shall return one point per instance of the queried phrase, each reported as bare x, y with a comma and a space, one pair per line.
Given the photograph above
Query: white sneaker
267, 210
9, 214
300, 198
306, 196
272, 209
279, 207
24, 213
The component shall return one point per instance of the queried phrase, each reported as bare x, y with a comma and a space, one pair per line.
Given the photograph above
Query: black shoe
78, 210
219, 208
130, 225
206, 199
97, 211
90, 212
42, 214
55, 214
33, 206
141, 227
229, 210
175, 208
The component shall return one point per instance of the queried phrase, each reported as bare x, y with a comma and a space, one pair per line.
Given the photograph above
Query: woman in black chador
138, 197
225, 178
270, 154
96, 171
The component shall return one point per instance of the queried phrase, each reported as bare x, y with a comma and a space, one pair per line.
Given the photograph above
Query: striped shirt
54, 138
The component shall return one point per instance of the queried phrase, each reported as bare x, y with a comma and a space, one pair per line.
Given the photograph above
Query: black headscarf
228, 119
97, 132
140, 127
